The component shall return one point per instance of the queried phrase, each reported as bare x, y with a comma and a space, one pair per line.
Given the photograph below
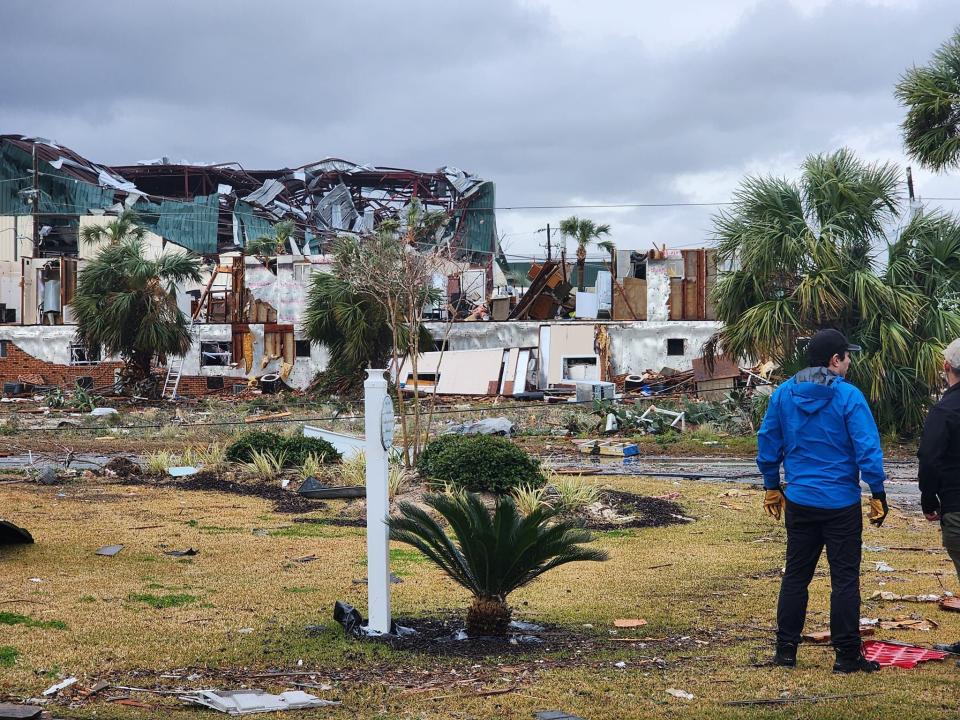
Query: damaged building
506, 329
246, 311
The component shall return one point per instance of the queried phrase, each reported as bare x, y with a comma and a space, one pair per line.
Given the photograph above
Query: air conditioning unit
588, 390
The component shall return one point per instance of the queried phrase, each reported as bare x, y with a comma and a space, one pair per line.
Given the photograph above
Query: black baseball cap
827, 343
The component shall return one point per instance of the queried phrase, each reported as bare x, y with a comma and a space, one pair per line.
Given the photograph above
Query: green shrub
299, 447
242, 448
295, 449
479, 463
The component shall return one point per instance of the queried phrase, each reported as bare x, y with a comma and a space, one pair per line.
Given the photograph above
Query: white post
379, 435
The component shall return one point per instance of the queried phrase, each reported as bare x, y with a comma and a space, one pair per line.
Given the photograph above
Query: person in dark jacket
939, 455
819, 427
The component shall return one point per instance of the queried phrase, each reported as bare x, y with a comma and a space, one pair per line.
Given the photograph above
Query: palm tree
584, 231
276, 244
354, 329
494, 553
124, 227
126, 303
804, 257
931, 94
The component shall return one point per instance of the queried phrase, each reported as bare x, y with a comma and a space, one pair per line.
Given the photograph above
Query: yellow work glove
878, 508
774, 502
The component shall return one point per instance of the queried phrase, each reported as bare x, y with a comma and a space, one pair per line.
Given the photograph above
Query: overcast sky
560, 102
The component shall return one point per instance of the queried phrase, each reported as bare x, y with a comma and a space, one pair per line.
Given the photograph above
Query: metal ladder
175, 370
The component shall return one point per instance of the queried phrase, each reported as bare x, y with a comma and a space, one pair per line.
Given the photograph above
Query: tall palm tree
494, 553
124, 227
584, 231
126, 303
931, 94
805, 258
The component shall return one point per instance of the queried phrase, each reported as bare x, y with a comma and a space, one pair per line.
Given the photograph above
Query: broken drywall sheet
456, 372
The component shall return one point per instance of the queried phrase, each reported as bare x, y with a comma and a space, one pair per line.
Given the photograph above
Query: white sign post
379, 424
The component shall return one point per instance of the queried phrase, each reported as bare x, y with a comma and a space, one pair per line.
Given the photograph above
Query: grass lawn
241, 607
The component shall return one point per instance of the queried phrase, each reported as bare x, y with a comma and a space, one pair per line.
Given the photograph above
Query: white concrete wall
45, 342
634, 346
16, 237
52, 344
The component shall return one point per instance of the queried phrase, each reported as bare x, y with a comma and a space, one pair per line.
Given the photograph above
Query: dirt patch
284, 501
617, 510
122, 467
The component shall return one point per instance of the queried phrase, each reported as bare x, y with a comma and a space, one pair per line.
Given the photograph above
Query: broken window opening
216, 353
302, 272
580, 367
215, 382
82, 355
440, 346
58, 235
676, 346
303, 348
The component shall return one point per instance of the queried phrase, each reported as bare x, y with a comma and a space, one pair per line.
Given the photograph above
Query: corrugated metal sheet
251, 226
478, 224
192, 224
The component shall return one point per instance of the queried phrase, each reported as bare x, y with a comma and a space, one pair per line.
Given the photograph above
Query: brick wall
19, 364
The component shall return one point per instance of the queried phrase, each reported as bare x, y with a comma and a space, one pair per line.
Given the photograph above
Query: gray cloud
551, 110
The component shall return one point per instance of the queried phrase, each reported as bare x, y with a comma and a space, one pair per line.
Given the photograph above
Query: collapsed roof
216, 208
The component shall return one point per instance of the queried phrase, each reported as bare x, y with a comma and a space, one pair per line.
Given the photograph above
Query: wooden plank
272, 416
676, 298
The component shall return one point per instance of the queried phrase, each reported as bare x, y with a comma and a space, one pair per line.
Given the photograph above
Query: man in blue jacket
819, 427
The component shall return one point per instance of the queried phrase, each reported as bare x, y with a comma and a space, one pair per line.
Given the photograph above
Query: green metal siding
192, 224
60, 193
478, 224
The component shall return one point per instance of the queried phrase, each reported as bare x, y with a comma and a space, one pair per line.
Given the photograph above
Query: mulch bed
284, 501
634, 511
435, 635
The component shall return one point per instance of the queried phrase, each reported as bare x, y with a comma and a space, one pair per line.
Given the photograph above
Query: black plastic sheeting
11, 534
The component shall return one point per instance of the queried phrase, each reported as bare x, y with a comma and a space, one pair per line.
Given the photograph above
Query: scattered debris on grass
109, 550
890, 654
629, 622
245, 702
54, 689
10, 711
681, 694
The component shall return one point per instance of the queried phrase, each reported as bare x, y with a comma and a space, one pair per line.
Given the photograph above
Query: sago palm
931, 95
126, 304
583, 231
492, 553
804, 257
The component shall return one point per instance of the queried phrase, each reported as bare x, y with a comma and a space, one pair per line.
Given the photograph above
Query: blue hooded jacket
820, 428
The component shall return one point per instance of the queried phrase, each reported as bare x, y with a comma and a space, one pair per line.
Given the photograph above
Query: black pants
809, 529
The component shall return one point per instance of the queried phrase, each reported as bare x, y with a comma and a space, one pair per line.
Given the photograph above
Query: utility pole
915, 207
35, 202
549, 247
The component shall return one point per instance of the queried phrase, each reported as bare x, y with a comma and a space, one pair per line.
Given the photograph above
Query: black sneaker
786, 655
851, 662
952, 649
